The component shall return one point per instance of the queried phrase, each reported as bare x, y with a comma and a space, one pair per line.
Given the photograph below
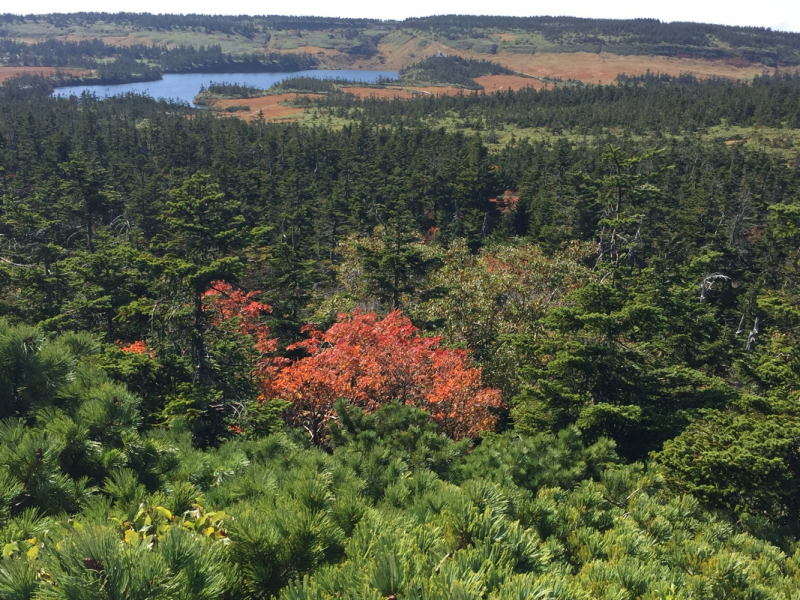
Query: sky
778, 14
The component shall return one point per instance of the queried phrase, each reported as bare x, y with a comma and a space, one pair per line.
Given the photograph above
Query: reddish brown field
604, 68
270, 107
583, 66
9, 72
496, 83
273, 108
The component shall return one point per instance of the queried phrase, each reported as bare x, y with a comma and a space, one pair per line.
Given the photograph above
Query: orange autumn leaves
225, 303
362, 358
137, 347
367, 361
370, 361
507, 203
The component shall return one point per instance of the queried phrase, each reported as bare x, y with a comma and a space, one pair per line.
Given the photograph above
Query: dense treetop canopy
535, 344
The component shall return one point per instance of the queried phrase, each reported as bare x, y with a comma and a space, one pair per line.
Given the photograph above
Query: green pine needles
92, 507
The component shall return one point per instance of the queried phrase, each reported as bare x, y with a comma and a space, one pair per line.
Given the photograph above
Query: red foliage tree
137, 347
370, 361
226, 305
507, 203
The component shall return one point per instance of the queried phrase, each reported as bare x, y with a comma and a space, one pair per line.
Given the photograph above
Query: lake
184, 87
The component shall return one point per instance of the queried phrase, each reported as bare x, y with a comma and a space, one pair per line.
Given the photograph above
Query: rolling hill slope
590, 50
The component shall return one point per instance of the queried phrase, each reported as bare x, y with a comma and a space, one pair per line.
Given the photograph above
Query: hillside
588, 50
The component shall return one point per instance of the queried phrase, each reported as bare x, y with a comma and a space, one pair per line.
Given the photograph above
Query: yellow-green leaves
131, 536
9, 549
167, 514
29, 548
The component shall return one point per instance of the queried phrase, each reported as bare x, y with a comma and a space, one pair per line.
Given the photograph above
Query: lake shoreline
183, 87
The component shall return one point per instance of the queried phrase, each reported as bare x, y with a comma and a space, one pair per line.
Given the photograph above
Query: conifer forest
538, 343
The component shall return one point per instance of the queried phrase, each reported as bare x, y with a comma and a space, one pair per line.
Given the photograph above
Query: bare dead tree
739, 329
708, 284
753, 337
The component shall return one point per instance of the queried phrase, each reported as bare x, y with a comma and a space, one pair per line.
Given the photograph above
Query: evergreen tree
392, 262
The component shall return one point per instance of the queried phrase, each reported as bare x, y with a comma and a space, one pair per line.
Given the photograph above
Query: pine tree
392, 261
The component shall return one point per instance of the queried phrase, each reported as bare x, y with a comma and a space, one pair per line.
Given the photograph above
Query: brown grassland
9, 72
582, 66
496, 83
604, 68
278, 106
270, 107
396, 53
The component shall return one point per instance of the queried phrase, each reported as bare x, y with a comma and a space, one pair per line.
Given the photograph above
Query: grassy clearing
769, 139
781, 141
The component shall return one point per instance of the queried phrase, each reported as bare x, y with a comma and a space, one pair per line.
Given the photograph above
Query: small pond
184, 87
